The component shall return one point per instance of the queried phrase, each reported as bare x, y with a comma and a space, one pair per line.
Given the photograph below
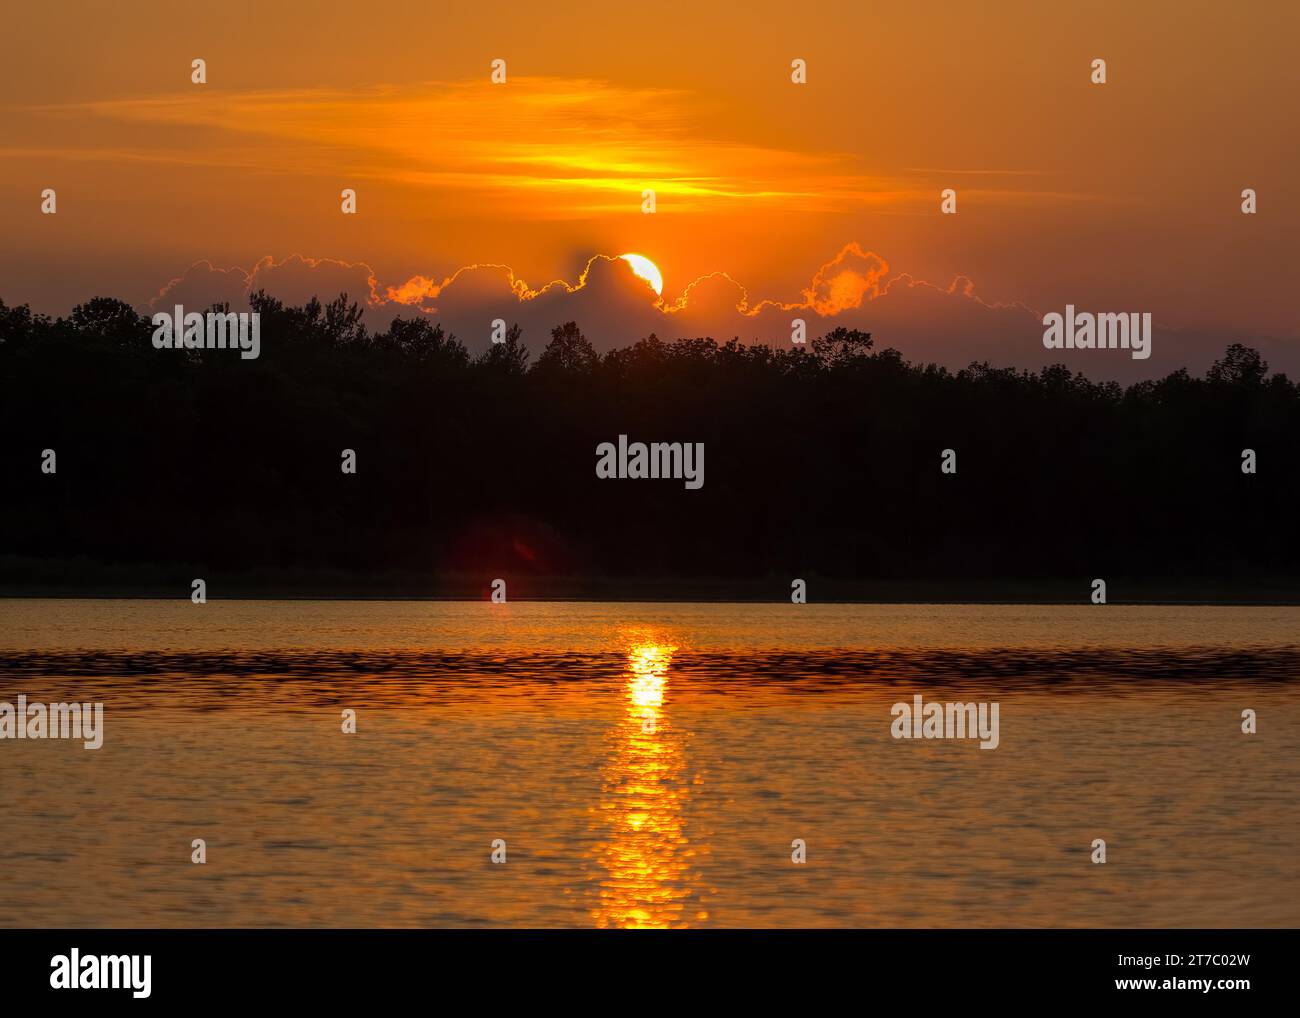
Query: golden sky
1124, 196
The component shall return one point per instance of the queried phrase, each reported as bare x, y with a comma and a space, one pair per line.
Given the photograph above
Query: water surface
650, 764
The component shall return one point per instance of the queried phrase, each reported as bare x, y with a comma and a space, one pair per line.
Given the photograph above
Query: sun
647, 270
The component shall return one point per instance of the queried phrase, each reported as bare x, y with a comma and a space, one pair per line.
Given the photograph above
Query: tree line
822, 460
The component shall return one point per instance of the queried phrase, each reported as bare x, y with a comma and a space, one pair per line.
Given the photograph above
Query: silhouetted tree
1240, 365
422, 341
103, 319
820, 461
569, 352
509, 357
840, 345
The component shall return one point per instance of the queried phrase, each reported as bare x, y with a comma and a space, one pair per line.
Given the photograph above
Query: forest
825, 462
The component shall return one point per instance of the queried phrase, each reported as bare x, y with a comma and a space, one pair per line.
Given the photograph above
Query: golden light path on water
645, 854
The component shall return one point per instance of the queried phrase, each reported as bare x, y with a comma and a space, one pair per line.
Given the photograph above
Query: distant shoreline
50, 581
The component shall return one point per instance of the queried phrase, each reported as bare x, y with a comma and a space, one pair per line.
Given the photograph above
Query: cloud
612, 304
948, 324
201, 286
295, 280
540, 148
844, 282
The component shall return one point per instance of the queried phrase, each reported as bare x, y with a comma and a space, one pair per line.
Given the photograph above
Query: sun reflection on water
648, 671
644, 851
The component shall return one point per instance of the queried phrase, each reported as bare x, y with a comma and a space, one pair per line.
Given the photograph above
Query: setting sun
647, 270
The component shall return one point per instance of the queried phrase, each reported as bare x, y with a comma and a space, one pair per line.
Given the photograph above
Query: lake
650, 765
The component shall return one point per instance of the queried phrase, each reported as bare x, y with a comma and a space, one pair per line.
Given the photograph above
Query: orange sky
1116, 197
